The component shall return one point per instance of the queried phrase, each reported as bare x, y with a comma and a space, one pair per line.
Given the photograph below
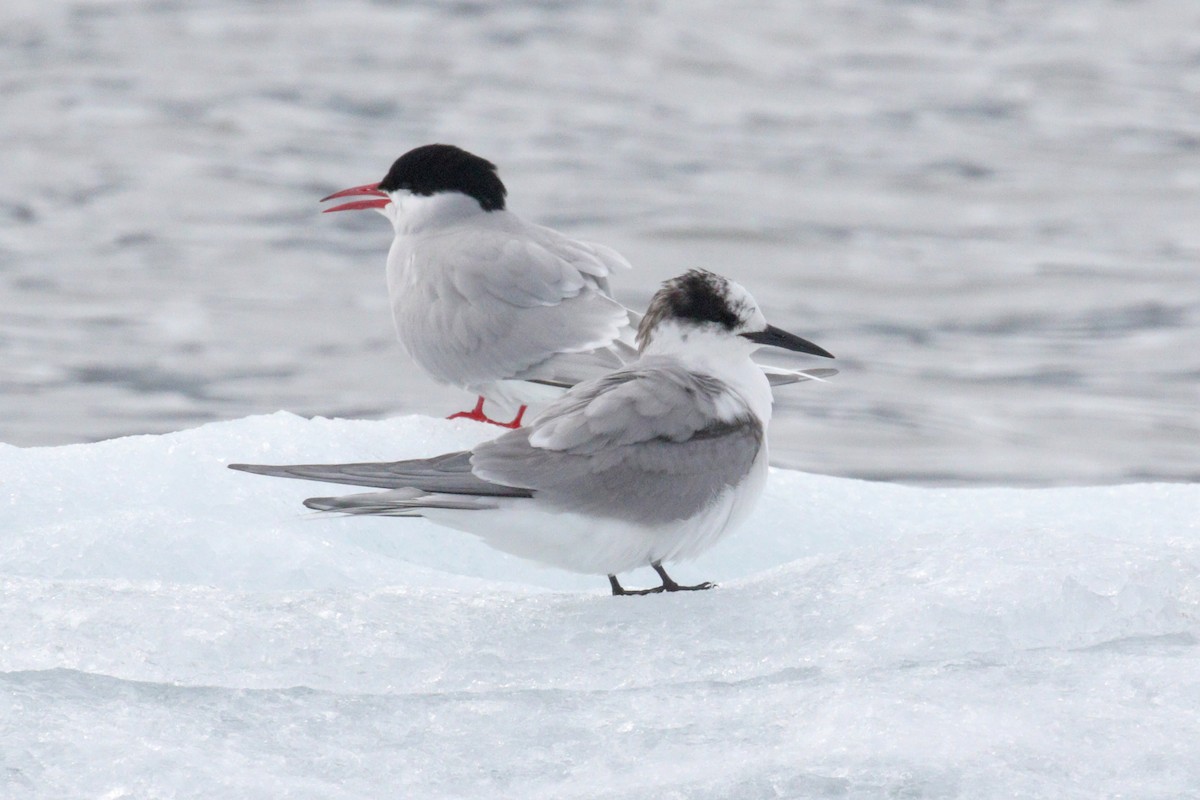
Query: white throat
411, 213
719, 353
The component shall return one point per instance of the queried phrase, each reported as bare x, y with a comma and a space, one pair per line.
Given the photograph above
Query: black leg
618, 590
669, 585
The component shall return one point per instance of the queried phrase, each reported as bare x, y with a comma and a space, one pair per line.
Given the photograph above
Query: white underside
591, 545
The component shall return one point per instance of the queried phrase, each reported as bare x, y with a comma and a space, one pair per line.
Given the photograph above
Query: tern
482, 299
653, 462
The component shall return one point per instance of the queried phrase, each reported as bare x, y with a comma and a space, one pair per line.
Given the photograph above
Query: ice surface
174, 629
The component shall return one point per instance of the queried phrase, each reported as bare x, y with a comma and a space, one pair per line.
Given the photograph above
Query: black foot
669, 585
618, 590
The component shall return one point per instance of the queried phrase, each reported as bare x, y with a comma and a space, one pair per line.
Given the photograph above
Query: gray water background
990, 211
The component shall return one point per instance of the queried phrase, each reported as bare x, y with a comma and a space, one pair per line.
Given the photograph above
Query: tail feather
447, 474
399, 503
778, 376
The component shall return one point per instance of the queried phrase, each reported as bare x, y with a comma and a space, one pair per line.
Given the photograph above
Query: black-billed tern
655, 461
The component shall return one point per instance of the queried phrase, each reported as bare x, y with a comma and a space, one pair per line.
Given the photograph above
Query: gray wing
568, 369
538, 265
643, 444
564, 370
497, 303
399, 503
447, 474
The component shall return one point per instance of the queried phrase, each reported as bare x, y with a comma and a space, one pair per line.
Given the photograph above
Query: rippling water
989, 210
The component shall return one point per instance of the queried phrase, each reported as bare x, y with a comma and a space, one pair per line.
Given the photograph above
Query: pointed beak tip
815, 350
777, 337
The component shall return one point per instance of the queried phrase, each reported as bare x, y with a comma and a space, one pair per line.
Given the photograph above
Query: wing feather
448, 474
490, 304
643, 444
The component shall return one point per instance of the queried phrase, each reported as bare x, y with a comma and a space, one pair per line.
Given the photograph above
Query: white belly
606, 546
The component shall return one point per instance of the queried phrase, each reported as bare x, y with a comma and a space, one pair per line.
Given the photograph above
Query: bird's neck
722, 355
416, 214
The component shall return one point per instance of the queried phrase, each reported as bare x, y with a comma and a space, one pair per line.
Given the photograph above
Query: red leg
474, 414
477, 415
516, 423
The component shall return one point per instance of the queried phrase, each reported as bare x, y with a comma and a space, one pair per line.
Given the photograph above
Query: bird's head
426, 171
701, 301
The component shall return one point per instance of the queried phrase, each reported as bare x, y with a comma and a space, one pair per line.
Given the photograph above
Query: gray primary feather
449, 474
396, 503
564, 370
783, 377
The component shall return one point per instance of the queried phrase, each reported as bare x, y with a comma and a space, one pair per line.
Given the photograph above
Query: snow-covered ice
174, 629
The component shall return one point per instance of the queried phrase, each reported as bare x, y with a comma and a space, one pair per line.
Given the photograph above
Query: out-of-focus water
989, 210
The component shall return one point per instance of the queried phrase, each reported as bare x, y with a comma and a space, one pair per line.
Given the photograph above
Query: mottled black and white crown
435, 168
703, 300
699, 298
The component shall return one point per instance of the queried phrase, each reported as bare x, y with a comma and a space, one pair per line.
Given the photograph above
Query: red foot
516, 421
477, 415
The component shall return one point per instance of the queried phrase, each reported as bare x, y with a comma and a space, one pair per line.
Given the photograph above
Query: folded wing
497, 304
649, 443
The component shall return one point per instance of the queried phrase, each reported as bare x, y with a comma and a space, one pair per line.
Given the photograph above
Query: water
988, 210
